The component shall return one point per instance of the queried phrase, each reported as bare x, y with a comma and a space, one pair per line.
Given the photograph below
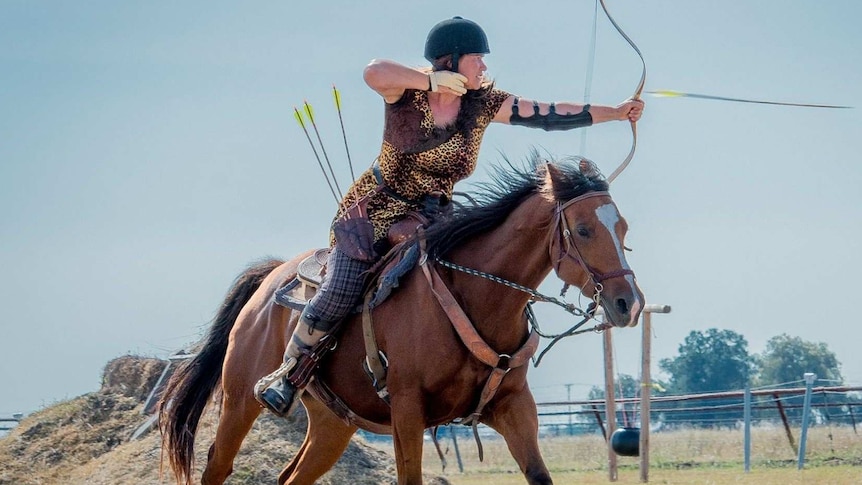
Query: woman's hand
447, 82
630, 109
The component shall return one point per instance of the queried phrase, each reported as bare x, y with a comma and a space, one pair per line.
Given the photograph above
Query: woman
435, 120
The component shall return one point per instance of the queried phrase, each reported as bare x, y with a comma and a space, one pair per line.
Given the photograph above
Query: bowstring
588, 80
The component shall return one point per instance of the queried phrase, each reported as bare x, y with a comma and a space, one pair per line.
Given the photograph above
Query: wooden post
646, 385
646, 389
610, 403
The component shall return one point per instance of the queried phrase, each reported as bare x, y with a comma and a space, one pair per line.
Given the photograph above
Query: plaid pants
339, 293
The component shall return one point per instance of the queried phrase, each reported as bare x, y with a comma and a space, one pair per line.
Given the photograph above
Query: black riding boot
279, 396
275, 391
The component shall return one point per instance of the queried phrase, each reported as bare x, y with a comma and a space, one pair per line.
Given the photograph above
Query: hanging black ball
626, 441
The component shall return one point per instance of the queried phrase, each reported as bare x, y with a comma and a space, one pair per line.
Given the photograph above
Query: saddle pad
393, 271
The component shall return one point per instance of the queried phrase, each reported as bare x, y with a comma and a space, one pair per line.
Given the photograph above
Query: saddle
383, 277
309, 276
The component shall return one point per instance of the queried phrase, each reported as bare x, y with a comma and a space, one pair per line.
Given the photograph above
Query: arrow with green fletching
298, 116
310, 114
666, 93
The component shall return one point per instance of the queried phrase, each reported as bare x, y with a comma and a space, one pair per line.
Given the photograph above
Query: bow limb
636, 95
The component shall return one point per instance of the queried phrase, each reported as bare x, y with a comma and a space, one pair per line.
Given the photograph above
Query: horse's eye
627, 248
583, 231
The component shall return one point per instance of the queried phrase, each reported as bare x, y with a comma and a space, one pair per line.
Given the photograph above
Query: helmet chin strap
455, 58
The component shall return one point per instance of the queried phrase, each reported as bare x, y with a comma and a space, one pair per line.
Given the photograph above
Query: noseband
565, 239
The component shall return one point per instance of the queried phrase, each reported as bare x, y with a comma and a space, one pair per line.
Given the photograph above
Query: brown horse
526, 223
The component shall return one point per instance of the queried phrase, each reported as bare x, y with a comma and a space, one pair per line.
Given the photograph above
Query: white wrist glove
448, 79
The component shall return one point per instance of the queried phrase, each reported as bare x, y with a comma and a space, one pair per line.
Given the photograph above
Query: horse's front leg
407, 433
517, 421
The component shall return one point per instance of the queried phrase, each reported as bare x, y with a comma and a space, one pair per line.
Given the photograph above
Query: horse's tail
191, 385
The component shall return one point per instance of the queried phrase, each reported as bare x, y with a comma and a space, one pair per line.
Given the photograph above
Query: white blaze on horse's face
610, 217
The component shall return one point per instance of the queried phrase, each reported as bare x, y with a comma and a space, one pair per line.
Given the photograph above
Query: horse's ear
588, 168
554, 174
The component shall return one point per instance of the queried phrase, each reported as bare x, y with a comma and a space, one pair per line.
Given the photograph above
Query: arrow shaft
742, 100
319, 162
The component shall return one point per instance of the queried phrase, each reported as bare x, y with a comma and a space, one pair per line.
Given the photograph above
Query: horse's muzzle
623, 309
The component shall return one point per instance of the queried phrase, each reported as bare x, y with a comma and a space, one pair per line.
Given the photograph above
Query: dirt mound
88, 440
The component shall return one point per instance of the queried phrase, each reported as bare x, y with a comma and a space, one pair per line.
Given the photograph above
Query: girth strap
501, 363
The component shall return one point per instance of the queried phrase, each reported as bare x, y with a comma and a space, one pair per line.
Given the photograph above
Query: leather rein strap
500, 364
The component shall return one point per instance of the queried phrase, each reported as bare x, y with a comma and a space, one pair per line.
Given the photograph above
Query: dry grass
844, 475
86, 440
834, 455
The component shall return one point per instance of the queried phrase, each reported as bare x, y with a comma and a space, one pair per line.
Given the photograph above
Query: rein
587, 314
561, 231
535, 295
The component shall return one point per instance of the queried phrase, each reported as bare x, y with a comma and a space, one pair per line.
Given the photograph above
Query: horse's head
586, 242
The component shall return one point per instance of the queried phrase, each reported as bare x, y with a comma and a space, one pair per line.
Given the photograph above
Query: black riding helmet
456, 36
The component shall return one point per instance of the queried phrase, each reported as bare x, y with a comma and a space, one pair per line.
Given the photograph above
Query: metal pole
806, 410
455, 445
569, 398
646, 389
786, 424
852, 418
747, 414
610, 404
598, 416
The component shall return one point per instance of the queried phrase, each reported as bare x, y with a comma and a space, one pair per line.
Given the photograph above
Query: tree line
719, 360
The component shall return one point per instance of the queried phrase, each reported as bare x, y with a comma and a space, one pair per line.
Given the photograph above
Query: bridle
567, 247
559, 231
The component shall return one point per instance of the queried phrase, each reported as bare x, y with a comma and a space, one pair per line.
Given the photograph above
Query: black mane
508, 188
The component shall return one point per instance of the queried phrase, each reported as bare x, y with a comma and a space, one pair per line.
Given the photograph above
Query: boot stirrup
267, 380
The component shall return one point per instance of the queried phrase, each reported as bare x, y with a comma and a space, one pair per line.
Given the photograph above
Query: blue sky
149, 153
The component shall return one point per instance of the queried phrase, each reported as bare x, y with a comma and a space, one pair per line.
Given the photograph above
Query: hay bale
132, 376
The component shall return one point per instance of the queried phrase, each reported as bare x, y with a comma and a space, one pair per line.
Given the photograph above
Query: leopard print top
418, 158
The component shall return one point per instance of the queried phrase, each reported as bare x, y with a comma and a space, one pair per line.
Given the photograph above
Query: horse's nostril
622, 305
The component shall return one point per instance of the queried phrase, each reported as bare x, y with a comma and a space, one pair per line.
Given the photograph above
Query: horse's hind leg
236, 420
253, 336
516, 420
326, 438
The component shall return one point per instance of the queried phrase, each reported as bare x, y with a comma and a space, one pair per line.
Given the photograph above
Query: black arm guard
552, 121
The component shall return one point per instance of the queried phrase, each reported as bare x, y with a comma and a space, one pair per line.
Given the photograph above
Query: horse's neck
516, 251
